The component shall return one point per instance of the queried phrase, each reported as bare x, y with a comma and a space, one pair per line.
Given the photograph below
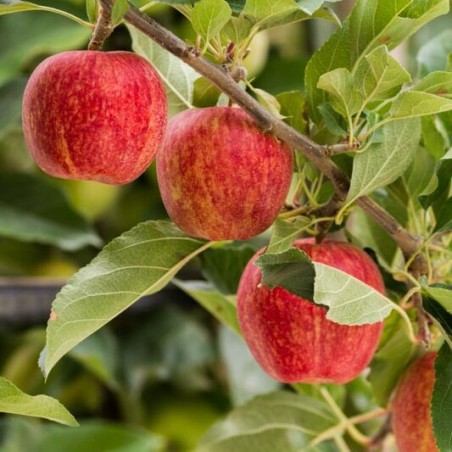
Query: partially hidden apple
92, 115
411, 420
220, 176
291, 338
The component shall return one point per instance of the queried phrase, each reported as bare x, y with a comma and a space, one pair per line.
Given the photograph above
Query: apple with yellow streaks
93, 115
411, 420
220, 176
291, 338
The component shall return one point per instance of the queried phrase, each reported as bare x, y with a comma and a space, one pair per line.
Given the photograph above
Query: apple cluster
102, 116
91, 115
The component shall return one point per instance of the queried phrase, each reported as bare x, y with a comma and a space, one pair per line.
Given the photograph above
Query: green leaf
433, 55
13, 6
442, 182
379, 76
441, 405
440, 316
332, 119
14, 401
99, 355
412, 104
92, 10
419, 174
291, 269
442, 293
350, 301
285, 232
178, 77
439, 83
293, 106
268, 101
245, 377
222, 307
345, 99
265, 13
139, 262
224, 265
370, 25
236, 30
209, 17
389, 362
382, 163
119, 10
100, 436
280, 421
444, 220
434, 137
33, 210
32, 35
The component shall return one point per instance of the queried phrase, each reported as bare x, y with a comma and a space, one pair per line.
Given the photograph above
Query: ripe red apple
291, 338
411, 420
220, 177
94, 115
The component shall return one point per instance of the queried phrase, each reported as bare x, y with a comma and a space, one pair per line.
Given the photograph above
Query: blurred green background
158, 376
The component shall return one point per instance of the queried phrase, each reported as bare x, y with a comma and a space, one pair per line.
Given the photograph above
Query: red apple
220, 177
291, 338
94, 115
411, 420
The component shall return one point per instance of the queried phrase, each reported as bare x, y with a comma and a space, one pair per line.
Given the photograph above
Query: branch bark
103, 27
317, 154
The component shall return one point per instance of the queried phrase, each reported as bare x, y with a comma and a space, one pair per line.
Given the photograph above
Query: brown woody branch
317, 154
103, 27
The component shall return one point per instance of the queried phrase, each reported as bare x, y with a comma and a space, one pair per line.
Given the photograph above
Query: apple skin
220, 177
411, 420
291, 338
92, 115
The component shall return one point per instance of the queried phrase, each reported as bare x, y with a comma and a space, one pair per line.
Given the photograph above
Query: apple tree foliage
398, 125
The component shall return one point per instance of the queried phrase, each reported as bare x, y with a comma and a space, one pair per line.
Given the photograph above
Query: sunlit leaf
209, 17
9, 7
139, 262
285, 232
379, 76
14, 401
412, 104
280, 421
350, 301
382, 163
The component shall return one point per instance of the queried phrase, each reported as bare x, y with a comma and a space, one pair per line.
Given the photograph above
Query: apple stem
103, 28
315, 153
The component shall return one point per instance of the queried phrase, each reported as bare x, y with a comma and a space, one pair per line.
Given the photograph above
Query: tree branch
315, 153
103, 27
